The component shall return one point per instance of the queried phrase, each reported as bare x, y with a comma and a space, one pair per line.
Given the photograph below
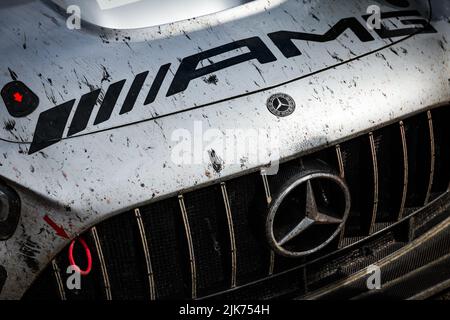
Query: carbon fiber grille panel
253, 259
170, 262
127, 269
210, 239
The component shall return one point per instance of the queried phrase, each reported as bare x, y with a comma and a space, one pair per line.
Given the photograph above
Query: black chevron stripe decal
83, 112
50, 126
51, 123
133, 93
156, 85
107, 107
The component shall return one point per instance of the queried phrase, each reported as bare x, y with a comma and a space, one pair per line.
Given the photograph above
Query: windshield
130, 14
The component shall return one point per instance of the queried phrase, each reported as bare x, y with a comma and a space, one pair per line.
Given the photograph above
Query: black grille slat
441, 120
358, 168
168, 249
124, 258
210, 238
419, 156
247, 202
390, 172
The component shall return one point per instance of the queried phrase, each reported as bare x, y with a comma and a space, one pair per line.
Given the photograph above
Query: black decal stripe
156, 85
83, 112
283, 39
109, 102
132, 95
50, 126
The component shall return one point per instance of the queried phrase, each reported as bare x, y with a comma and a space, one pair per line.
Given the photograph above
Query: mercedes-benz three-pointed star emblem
289, 238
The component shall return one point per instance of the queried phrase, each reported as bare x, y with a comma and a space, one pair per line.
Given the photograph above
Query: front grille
210, 242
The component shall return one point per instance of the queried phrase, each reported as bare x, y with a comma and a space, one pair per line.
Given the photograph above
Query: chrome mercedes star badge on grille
308, 212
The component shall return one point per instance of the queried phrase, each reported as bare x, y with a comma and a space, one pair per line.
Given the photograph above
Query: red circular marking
88, 256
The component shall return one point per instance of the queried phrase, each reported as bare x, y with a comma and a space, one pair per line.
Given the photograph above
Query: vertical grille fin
231, 231
190, 246
101, 258
375, 182
151, 280
269, 200
432, 156
405, 170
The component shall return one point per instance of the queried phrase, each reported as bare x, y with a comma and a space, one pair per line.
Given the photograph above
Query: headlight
9, 211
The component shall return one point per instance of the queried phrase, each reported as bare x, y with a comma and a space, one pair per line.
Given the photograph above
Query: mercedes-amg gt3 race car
224, 149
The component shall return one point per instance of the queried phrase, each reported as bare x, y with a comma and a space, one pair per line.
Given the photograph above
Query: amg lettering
188, 69
283, 39
386, 33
